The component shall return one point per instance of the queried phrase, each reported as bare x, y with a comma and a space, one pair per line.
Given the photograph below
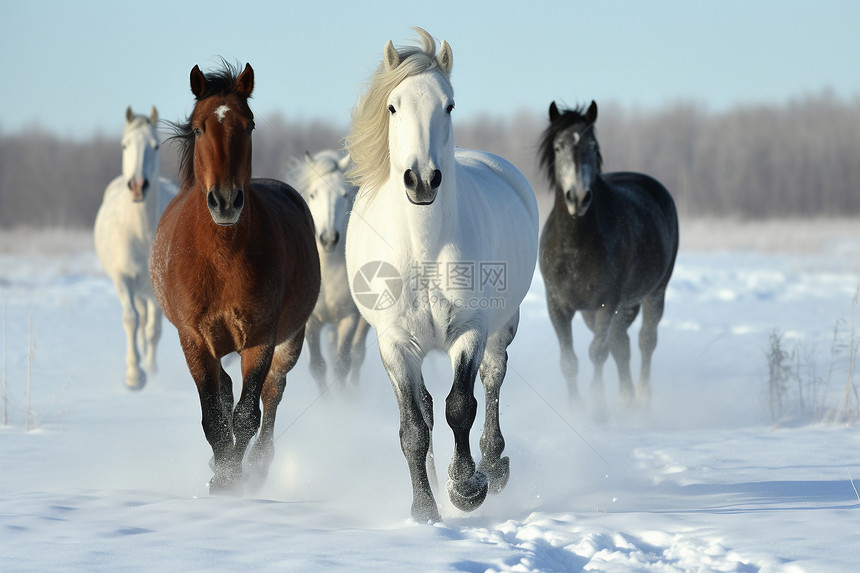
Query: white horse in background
320, 180
124, 230
441, 250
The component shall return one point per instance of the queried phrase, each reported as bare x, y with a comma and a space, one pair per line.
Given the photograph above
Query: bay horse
607, 248
320, 180
235, 268
441, 249
123, 234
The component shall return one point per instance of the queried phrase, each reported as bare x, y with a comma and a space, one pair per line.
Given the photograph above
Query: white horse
320, 180
124, 230
441, 250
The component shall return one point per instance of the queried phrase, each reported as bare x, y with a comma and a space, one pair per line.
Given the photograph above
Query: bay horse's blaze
235, 269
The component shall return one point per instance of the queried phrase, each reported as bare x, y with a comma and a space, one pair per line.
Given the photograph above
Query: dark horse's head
571, 155
215, 154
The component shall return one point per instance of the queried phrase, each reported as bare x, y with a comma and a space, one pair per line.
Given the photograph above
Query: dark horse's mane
218, 82
566, 119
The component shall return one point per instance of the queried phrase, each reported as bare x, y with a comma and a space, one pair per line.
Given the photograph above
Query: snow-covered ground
706, 481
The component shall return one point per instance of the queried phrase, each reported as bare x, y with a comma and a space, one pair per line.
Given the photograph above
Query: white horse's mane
367, 141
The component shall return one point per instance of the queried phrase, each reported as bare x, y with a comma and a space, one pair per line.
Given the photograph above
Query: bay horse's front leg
256, 365
403, 366
467, 488
211, 380
285, 358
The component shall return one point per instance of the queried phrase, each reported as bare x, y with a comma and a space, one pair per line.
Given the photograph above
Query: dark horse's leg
416, 421
285, 358
619, 345
652, 312
600, 322
561, 321
467, 488
493, 369
212, 386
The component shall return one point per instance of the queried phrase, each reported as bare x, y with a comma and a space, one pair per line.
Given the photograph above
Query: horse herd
431, 245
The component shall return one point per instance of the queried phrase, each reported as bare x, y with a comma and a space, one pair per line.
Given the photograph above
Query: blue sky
73, 67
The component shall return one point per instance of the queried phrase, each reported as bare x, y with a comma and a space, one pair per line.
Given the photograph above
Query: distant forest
800, 159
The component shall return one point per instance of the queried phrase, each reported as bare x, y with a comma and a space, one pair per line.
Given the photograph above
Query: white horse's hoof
136, 381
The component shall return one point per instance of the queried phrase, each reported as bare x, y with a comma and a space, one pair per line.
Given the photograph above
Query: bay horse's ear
591, 114
392, 57
153, 116
129, 115
245, 82
445, 59
553, 112
198, 81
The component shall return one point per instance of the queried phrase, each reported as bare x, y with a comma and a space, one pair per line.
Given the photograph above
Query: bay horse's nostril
212, 200
410, 180
437, 179
239, 201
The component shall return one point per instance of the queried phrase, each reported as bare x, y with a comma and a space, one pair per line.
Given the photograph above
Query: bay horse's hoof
469, 494
497, 473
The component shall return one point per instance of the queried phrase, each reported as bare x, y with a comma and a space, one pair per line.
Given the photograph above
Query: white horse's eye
450, 108
391, 110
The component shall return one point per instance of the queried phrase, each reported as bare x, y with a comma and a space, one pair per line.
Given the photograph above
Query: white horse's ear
343, 163
129, 115
591, 114
553, 112
392, 56
445, 58
153, 116
198, 81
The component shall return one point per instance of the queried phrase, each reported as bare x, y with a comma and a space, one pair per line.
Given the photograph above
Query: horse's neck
433, 226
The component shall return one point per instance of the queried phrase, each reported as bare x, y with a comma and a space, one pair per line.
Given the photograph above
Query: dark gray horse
607, 249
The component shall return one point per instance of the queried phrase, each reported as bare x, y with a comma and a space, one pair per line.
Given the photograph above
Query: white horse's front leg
318, 365
134, 377
467, 488
403, 364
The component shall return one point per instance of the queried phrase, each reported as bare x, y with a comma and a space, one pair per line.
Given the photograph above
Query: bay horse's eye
197, 132
391, 110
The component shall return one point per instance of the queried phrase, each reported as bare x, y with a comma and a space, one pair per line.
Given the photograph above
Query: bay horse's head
139, 152
217, 153
402, 126
571, 155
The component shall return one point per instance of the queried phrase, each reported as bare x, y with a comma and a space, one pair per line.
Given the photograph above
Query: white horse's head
402, 127
320, 180
140, 152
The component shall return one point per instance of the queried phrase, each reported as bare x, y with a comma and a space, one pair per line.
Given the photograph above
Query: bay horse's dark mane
546, 151
218, 82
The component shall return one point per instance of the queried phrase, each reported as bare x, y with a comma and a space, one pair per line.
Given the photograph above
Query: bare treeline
801, 159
